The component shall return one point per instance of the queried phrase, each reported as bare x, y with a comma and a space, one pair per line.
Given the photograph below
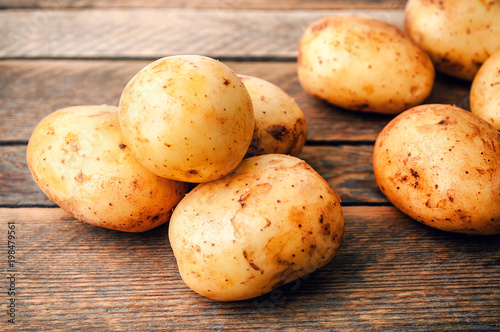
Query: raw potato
363, 64
270, 221
485, 91
280, 125
440, 165
187, 118
459, 35
78, 158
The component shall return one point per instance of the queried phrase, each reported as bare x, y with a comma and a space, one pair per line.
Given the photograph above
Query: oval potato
363, 64
440, 165
459, 35
270, 221
485, 91
280, 125
187, 118
79, 159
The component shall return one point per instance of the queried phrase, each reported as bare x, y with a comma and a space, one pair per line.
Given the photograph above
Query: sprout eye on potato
79, 159
459, 35
270, 221
187, 118
280, 125
363, 64
440, 165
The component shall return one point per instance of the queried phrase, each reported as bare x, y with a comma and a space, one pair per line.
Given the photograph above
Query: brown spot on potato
122, 146
80, 177
278, 131
251, 263
268, 223
326, 230
72, 141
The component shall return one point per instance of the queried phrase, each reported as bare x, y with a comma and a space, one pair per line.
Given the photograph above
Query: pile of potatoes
216, 153
439, 164
258, 216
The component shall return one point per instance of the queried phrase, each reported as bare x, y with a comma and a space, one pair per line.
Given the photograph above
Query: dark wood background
391, 273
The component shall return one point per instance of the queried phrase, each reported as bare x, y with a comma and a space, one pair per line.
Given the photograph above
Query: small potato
270, 221
187, 118
79, 159
440, 165
363, 64
280, 125
485, 91
459, 35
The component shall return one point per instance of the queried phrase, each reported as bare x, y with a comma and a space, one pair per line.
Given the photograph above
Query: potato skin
78, 158
440, 165
363, 64
187, 118
485, 91
459, 35
270, 221
280, 125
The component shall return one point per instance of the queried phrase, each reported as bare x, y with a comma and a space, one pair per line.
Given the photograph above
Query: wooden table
391, 273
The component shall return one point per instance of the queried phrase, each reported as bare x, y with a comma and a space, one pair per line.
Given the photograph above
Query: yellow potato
79, 159
440, 165
280, 125
187, 118
270, 221
363, 64
485, 91
459, 35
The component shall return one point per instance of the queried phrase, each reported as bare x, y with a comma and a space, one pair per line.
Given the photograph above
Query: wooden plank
29, 90
212, 4
391, 273
348, 169
91, 33
17, 188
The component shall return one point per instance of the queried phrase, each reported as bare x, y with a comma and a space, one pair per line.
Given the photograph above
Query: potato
270, 221
440, 165
280, 125
485, 91
459, 35
187, 118
363, 64
78, 158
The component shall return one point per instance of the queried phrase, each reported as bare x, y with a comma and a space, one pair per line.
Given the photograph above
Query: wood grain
17, 188
212, 4
391, 273
135, 33
31, 89
348, 169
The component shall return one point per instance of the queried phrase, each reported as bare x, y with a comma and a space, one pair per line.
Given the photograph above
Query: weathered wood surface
153, 33
31, 89
213, 4
348, 169
391, 273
